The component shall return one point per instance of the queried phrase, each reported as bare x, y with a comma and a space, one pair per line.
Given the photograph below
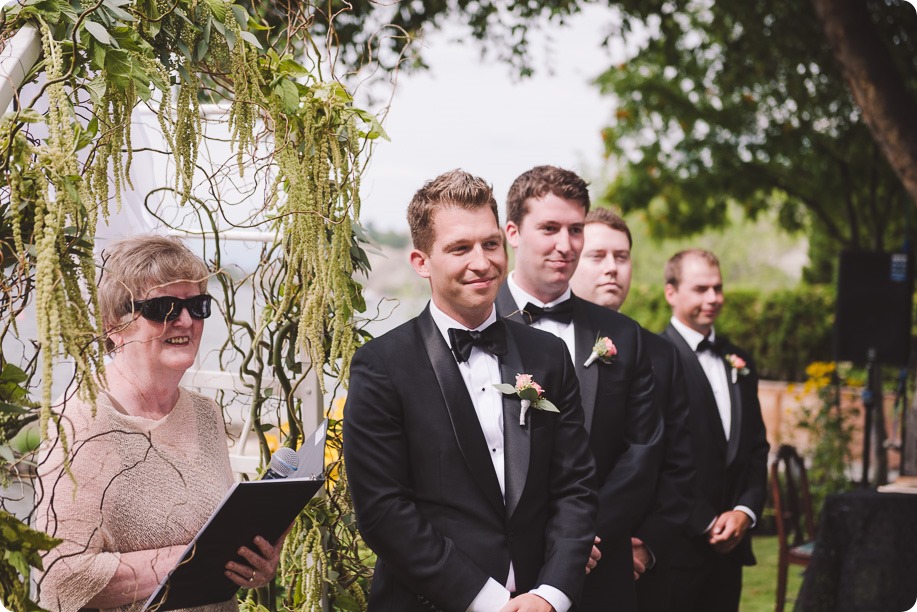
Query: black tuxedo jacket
728, 474
625, 436
424, 488
674, 495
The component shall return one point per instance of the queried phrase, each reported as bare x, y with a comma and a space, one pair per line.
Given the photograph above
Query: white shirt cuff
553, 596
492, 596
751, 515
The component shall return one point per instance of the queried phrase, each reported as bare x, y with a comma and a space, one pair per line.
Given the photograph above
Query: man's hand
527, 602
594, 556
728, 530
642, 557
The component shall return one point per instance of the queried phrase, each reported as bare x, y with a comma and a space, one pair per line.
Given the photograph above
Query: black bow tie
706, 345
492, 339
561, 312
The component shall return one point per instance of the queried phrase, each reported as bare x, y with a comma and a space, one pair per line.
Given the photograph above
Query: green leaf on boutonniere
530, 394
545, 405
505, 388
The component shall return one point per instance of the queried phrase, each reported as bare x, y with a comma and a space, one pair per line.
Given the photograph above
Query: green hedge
784, 330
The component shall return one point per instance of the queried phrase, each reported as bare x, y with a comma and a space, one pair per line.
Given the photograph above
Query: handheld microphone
283, 463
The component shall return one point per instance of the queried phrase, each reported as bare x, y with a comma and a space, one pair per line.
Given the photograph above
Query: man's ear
512, 234
419, 263
670, 291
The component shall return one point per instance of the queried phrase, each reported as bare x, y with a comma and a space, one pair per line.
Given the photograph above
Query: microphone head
284, 462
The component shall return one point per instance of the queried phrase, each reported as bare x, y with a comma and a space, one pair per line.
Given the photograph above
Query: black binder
249, 509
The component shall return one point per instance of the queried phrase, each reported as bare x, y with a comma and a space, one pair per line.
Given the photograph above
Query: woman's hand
261, 567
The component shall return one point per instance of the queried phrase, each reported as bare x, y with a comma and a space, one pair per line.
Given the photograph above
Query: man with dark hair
603, 276
546, 210
471, 498
729, 441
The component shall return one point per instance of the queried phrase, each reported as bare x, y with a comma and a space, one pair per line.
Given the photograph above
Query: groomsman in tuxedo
469, 501
603, 277
730, 446
546, 211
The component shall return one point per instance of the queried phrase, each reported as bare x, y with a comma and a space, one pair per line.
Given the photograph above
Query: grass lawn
759, 584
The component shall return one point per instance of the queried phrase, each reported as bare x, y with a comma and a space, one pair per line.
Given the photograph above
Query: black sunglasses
168, 308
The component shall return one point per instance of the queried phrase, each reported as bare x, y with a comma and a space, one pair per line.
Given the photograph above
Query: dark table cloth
865, 555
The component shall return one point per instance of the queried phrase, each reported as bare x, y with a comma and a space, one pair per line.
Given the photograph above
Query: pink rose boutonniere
603, 350
739, 368
531, 394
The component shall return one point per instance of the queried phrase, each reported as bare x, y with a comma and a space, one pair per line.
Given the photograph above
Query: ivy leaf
99, 32
288, 93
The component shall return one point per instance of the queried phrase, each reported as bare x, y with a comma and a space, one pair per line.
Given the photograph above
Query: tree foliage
743, 102
723, 102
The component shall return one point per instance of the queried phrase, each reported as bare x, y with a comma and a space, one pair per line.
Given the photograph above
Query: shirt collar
444, 322
691, 336
522, 297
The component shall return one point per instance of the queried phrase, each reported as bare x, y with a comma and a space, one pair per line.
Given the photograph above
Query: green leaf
529, 394
292, 68
545, 405
6, 453
218, 8
99, 32
250, 38
505, 388
96, 88
11, 409
113, 7
13, 374
288, 93
118, 66
241, 15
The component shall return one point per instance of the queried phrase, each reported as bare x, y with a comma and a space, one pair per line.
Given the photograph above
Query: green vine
61, 169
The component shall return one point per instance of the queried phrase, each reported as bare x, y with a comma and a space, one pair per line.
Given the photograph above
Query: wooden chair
795, 520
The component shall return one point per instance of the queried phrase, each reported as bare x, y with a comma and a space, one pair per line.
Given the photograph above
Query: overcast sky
474, 114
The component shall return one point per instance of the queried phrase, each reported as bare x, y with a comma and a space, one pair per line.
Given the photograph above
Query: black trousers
713, 586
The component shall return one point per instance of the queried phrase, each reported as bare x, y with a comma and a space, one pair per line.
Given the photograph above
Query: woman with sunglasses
149, 460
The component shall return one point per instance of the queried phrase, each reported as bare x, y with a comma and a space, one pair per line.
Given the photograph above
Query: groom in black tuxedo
730, 444
546, 210
468, 502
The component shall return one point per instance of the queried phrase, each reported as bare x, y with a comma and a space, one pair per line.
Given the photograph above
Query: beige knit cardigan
140, 484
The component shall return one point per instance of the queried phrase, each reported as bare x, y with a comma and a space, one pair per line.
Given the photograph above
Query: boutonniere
603, 349
739, 368
531, 394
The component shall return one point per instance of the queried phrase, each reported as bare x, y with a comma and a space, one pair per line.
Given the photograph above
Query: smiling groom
468, 502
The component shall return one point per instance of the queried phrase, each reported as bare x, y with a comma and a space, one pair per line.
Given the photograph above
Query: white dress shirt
480, 373
714, 367
564, 331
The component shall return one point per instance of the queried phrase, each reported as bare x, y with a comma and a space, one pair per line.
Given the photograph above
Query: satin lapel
735, 426
506, 306
464, 419
517, 438
588, 378
698, 385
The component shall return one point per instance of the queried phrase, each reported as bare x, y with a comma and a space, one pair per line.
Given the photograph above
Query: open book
249, 509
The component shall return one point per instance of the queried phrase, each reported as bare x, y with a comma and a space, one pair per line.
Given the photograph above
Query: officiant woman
148, 459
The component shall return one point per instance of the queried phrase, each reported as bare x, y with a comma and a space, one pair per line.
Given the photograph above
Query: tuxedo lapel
517, 438
698, 386
585, 335
735, 404
465, 424
506, 306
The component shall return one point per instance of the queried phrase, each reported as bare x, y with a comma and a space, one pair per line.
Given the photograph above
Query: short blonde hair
132, 267
454, 188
